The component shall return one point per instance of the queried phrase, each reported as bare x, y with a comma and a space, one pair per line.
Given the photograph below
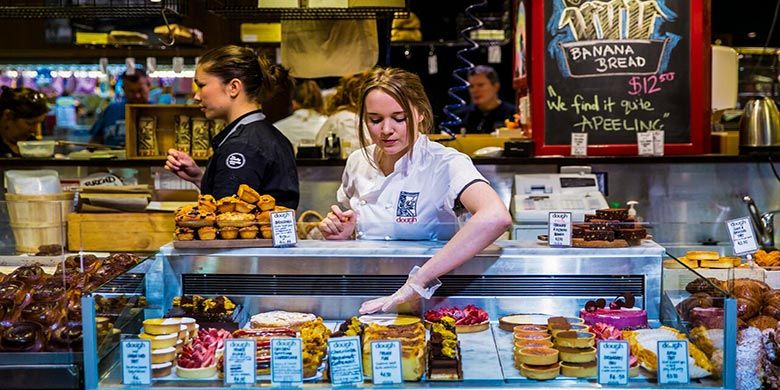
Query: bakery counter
331, 279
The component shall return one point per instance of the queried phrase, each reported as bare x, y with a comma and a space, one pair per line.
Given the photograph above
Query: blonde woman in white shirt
342, 113
307, 117
406, 187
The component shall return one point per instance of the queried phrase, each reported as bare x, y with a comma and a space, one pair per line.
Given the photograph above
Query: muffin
184, 234
266, 203
228, 233
244, 207
266, 231
247, 194
235, 219
207, 202
207, 233
248, 232
227, 204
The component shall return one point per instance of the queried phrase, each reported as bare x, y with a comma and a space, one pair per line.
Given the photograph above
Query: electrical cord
769, 35
774, 170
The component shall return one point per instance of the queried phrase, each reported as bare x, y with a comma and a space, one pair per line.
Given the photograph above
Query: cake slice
444, 361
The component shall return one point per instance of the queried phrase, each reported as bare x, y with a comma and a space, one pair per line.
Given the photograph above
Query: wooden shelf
80, 53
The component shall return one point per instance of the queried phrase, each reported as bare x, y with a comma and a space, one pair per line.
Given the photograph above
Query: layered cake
621, 313
444, 362
280, 318
608, 228
408, 330
219, 312
262, 337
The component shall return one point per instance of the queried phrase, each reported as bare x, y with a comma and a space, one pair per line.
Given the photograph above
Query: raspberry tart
470, 319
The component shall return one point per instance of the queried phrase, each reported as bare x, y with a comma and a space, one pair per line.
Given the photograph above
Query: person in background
307, 117
109, 129
232, 80
406, 187
342, 114
486, 111
22, 110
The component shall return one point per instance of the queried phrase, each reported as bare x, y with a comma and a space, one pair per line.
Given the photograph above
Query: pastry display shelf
248, 10
86, 9
332, 279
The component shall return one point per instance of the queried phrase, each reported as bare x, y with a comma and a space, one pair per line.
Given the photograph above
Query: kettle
759, 128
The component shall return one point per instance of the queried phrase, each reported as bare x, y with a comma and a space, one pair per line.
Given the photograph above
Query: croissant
747, 288
747, 308
763, 322
685, 307
24, 336
771, 304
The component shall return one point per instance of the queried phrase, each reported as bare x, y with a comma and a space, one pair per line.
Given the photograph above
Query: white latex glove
404, 294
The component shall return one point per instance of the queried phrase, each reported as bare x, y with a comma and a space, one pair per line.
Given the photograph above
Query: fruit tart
470, 319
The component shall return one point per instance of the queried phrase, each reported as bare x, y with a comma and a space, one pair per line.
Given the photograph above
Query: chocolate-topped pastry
702, 286
16, 292
44, 313
51, 290
590, 217
632, 234
8, 312
29, 275
66, 338
49, 250
87, 263
122, 260
23, 336
604, 235
71, 278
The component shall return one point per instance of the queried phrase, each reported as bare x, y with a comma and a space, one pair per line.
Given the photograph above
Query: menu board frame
699, 82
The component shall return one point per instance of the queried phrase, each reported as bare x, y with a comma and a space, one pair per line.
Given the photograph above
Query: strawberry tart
470, 319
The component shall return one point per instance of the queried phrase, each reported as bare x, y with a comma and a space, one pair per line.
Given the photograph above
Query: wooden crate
166, 125
128, 232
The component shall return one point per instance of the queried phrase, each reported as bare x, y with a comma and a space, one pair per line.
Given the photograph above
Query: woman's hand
404, 294
184, 166
338, 225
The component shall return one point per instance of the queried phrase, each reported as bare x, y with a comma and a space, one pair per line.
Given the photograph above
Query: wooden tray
224, 244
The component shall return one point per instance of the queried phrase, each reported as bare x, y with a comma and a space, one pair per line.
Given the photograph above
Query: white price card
742, 236
613, 362
136, 362
178, 64
673, 362
386, 362
345, 361
433, 64
283, 228
559, 229
658, 142
644, 141
240, 363
579, 144
286, 362
494, 54
151, 64
130, 65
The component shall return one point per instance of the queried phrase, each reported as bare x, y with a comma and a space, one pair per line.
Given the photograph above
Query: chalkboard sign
614, 68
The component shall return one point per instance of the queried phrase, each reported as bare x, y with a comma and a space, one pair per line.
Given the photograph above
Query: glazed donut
45, 313
8, 313
16, 292
71, 278
91, 263
29, 275
66, 338
24, 336
122, 260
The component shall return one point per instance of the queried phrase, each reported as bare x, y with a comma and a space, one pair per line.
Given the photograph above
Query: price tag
345, 361
613, 362
579, 144
658, 142
283, 228
673, 362
240, 361
559, 229
130, 65
286, 362
103, 63
645, 142
136, 362
742, 236
386, 362
433, 64
178, 64
494, 54
151, 64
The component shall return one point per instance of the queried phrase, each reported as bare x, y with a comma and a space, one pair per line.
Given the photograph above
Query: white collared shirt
302, 124
416, 201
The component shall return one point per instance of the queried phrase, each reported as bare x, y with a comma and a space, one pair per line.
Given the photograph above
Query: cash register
534, 196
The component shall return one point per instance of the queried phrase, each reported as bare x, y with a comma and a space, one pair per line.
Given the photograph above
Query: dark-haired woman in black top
231, 82
22, 111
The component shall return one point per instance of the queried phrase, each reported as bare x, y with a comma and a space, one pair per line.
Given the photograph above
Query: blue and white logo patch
406, 212
235, 161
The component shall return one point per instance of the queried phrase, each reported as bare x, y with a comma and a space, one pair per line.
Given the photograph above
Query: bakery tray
223, 244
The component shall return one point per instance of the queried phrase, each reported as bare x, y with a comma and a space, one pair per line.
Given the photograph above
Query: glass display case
331, 279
